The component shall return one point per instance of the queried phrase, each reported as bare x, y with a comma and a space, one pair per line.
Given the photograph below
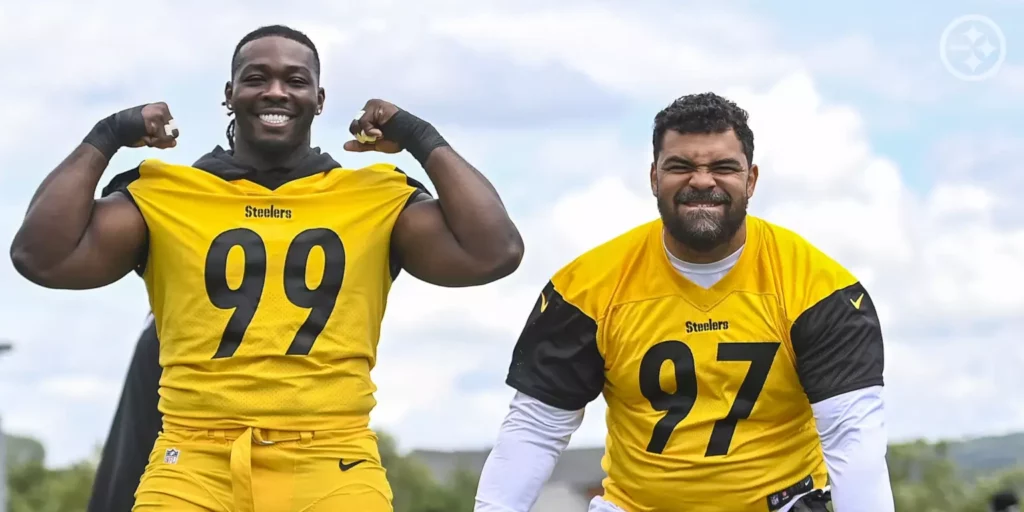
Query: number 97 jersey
268, 302
708, 389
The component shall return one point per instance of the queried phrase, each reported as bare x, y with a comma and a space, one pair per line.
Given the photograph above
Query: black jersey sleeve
120, 182
838, 344
556, 359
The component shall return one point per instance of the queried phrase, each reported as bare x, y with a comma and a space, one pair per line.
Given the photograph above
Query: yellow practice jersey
708, 389
268, 298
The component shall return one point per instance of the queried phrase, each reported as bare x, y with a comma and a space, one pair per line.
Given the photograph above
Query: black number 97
678, 404
245, 299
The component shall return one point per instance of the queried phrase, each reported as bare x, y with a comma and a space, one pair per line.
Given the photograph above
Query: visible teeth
274, 118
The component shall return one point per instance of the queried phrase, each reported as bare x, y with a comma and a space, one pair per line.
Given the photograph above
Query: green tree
34, 488
416, 490
22, 450
924, 479
987, 485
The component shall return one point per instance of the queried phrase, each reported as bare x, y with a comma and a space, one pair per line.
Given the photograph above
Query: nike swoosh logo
543, 303
856, 303
350, 465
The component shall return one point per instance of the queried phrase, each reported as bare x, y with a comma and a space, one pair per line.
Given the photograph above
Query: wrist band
415, 135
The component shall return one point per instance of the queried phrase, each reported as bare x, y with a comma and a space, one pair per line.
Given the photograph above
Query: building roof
576, 467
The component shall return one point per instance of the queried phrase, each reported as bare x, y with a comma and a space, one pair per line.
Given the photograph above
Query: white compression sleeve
852, 431
531, 439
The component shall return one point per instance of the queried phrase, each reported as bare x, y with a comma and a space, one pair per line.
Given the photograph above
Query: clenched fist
383, 127
160, 130
367, 128
145, 125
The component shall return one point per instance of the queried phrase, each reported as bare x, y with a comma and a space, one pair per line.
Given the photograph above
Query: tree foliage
416, 490
924, 477
34, 488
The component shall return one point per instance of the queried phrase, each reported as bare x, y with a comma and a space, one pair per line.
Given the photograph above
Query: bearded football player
741, 366
268, 267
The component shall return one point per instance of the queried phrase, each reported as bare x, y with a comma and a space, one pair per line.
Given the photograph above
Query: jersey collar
222, 164
707, 298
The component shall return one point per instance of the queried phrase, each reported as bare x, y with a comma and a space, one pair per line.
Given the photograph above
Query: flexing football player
742, 367
267, 267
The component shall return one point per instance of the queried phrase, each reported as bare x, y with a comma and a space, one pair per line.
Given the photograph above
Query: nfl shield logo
171, 456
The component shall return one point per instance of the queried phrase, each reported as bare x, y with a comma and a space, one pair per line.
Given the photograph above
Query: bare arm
463, 238
69, 240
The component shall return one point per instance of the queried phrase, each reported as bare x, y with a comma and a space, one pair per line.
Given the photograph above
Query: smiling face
702, 183
274, 94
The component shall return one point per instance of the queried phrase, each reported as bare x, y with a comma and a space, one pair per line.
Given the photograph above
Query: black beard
702, 231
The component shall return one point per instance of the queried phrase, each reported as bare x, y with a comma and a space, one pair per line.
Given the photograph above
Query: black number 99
245, 299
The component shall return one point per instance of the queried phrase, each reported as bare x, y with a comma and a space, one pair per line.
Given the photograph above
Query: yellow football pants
256, 470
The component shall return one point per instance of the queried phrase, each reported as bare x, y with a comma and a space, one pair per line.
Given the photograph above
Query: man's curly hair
704, 113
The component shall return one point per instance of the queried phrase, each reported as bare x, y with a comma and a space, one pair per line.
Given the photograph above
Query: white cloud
954, 201
904, 74
79, 388
587, 218
638, 52
1011, 79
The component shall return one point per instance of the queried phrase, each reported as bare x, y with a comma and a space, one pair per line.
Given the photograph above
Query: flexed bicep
426, 248
112, 245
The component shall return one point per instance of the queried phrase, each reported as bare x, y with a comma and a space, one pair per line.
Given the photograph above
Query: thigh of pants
192, 471
353, 498
365, 500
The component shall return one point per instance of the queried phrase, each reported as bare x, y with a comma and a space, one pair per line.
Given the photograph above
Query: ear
228, 92
321, 96
654, 179
752, 181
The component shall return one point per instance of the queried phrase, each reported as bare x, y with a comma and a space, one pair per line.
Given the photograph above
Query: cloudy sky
879, 143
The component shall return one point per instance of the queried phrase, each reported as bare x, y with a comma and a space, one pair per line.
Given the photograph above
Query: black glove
415, 135
122, 129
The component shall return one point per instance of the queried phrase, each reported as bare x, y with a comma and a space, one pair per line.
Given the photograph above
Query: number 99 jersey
708, 390
268, 301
